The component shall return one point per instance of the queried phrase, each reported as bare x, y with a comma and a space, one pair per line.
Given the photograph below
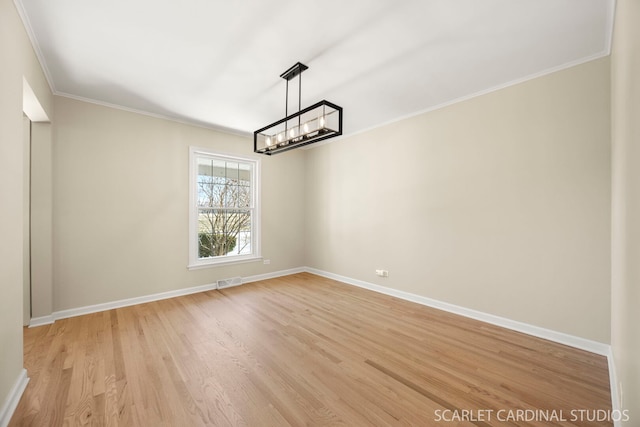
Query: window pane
205, 167
244, 196
232, 172
224, 184
218, 168
210, 182
211, 167
244, 185
224, 232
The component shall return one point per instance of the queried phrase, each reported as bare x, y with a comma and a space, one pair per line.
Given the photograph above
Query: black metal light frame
303, 140
319, 134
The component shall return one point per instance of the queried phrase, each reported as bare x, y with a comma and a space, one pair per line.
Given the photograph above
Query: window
223, 209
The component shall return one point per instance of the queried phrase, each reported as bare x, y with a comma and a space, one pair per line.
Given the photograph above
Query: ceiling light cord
299, 96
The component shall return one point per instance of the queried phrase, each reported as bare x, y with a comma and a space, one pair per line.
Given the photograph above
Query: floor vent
226, 283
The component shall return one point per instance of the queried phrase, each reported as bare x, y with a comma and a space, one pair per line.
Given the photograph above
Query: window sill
221, 262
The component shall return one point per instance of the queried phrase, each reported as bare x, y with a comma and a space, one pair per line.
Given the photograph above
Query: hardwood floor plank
297, 350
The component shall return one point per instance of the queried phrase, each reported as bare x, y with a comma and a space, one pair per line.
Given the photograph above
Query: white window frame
194, 261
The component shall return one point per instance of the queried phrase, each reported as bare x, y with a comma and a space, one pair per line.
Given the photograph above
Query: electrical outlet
266, 261
382, 273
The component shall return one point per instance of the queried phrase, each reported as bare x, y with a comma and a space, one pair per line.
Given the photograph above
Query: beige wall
18, 61
26, 209
625, 320
120, 205
499, 204
41, 221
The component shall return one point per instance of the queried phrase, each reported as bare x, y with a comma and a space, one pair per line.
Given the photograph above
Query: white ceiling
217, 63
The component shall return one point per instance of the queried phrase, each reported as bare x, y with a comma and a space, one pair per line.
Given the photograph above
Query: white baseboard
273, 275
73, 312
560, 337
616, 403
551, 335
548, 334
12, 400
43, 320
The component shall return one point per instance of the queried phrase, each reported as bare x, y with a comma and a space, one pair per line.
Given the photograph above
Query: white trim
34, 43
616, 404
73, 312
548, 334
611, 18
40, 321
254, 163
463, 98
184, 121
96, 308
31, 105
13, 398
247, 134
273, 275
234, 260
559, 337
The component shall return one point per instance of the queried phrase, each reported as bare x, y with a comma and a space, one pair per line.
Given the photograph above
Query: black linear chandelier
320, 121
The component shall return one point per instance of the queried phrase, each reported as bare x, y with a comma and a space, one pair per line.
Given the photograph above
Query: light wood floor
298, 350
